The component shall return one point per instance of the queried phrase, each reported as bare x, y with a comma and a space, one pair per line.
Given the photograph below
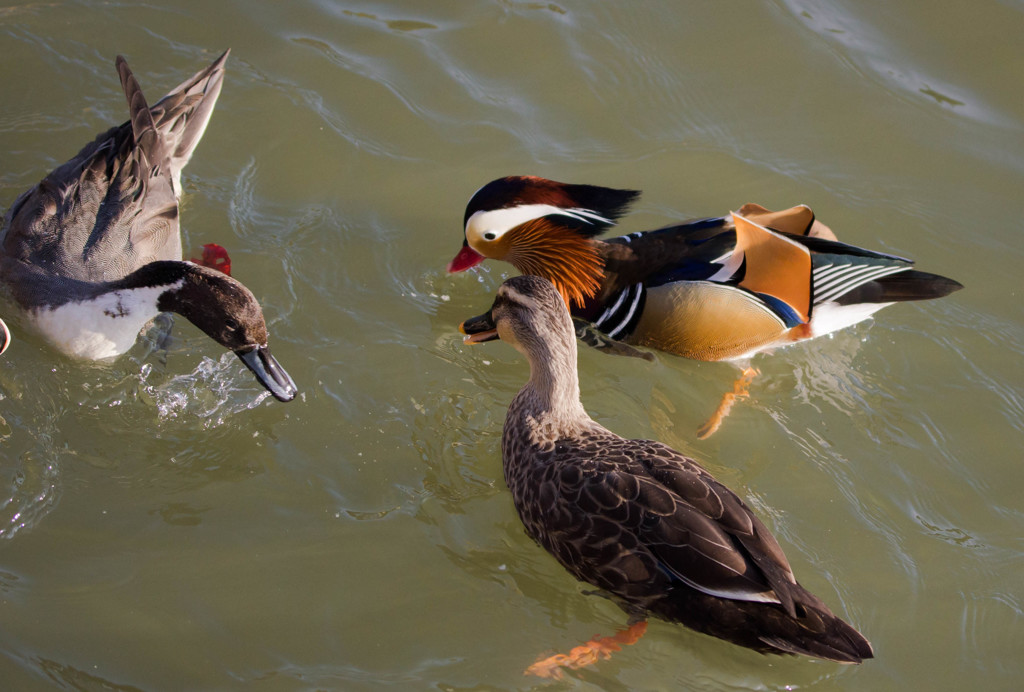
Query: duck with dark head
93, 252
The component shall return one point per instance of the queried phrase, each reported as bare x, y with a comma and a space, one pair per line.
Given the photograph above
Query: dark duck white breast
636, 518
93, 252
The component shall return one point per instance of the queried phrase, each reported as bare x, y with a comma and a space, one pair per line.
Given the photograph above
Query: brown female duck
721, 288
636, 518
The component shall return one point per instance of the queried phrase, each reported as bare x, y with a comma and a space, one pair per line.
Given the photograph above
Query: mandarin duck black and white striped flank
710, 289
636, 518
93, 252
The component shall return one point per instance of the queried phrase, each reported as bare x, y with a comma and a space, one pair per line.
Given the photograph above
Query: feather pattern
543, 248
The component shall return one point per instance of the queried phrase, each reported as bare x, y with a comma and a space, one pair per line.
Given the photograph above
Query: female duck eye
230, 324
490, 235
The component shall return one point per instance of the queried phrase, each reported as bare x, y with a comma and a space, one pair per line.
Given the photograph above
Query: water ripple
891, 61
34, 453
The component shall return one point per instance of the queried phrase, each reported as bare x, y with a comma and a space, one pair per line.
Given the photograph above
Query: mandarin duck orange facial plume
542, 228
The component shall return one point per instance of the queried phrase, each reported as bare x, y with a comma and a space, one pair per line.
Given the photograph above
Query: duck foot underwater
740, 390
587, 653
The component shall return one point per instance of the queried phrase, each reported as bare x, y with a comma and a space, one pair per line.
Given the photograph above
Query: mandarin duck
722, 288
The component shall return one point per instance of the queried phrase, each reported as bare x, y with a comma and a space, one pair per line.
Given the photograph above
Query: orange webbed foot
587, 654
740, 390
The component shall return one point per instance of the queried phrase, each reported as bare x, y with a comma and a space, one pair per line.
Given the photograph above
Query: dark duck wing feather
657, 531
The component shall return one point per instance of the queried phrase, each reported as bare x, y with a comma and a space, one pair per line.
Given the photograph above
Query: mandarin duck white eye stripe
493, 224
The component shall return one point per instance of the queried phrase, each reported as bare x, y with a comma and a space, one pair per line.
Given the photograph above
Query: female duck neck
554, 382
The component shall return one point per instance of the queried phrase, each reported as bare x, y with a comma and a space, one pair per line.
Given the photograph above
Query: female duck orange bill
93, 252
636, 518
722, 288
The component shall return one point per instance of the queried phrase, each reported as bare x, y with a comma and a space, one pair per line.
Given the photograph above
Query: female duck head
528, 313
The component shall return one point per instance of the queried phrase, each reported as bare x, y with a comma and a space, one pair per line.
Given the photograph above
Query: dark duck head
226, 311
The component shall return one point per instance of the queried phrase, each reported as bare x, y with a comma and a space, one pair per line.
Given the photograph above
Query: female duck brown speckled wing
657, 531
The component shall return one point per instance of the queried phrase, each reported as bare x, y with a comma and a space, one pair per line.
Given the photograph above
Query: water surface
165, 525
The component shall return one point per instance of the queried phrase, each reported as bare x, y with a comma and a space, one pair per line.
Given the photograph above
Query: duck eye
230, 324
490, 235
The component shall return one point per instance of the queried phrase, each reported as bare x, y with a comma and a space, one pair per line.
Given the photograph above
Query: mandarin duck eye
490, 235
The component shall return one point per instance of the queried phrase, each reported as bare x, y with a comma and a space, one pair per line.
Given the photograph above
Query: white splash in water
212, 392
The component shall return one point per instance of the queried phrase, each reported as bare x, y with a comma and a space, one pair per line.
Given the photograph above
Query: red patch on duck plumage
215, 257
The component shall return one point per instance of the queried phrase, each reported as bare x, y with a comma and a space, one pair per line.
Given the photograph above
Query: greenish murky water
165, 525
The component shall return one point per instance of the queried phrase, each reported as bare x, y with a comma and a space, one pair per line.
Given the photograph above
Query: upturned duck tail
183, 114
143, 127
